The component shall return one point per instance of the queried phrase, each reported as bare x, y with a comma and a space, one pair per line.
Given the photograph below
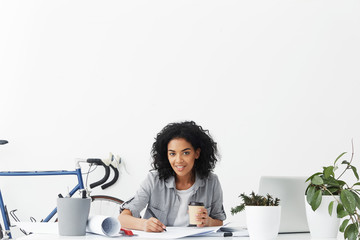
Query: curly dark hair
194, 134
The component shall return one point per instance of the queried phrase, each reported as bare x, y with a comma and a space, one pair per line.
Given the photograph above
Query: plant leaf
339, 157
358, 183
341, 211
330, 208
343, 225
316, 180
314, 197
237, 209
318, 173
348, 200
341, 183
357, 199
332, 181
351, 232
328, 171
355, 172
310, 194
315, 203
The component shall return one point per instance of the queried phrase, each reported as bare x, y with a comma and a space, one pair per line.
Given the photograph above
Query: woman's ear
197, 153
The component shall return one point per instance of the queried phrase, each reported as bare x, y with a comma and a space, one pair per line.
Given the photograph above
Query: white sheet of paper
103, 225
177, 232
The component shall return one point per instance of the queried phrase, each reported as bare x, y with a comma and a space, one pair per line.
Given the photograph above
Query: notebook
291, 192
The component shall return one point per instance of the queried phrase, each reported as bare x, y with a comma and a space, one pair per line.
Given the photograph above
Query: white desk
297, 236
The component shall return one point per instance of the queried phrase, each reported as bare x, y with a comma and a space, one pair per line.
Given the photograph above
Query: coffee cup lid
196, 204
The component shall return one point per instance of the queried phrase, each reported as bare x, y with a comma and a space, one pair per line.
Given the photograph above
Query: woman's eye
172, 154
186, 153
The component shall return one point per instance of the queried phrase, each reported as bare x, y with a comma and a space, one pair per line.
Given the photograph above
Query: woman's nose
178, 158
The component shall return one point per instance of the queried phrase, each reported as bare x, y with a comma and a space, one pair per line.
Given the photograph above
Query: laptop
291, 192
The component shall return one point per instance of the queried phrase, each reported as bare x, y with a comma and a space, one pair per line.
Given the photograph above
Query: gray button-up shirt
161, 197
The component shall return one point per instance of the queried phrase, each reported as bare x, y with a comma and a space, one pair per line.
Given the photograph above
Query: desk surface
297, 236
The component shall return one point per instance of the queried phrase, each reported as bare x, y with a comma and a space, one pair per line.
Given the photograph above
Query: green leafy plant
255, 200
326, 183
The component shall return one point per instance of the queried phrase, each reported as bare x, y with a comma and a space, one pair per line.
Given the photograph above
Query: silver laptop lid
291, 191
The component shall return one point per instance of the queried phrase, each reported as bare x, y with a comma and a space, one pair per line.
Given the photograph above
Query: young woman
184, 155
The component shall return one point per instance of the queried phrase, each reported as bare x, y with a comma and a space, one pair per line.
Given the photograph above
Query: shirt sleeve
217, 208
137, 203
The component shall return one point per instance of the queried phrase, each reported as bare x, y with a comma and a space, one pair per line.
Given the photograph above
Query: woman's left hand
202, 217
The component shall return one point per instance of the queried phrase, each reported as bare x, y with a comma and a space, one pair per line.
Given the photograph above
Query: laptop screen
291, 192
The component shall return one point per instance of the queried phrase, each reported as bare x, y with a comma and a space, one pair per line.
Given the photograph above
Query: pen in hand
154, 216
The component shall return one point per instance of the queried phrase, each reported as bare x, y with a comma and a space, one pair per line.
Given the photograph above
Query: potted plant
262, 215
328, 191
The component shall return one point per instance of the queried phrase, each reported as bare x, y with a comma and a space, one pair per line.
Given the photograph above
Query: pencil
153, 215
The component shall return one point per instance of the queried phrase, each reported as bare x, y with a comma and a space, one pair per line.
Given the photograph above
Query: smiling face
182, 155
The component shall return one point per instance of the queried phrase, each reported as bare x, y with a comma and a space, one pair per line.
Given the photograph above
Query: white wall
276, 83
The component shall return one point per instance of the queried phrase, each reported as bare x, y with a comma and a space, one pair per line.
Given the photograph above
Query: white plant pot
321, 224
263, 222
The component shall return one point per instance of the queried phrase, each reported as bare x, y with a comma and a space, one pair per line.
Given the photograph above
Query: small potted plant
262, 215
327, 192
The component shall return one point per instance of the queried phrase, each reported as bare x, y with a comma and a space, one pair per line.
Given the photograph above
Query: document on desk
177, 232
103, 225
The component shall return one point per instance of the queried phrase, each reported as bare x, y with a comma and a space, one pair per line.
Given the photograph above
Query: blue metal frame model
79, 187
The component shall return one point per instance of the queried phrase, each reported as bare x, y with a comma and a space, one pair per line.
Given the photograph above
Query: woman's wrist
214, 222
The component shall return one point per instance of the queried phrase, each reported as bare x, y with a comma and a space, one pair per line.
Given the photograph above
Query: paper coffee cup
193, 210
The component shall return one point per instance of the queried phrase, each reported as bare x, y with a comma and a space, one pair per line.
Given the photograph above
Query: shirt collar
199, 182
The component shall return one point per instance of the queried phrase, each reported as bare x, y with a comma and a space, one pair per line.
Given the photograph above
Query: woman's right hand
153, 225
